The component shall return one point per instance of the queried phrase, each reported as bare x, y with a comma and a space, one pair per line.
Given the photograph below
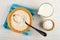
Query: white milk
45, 10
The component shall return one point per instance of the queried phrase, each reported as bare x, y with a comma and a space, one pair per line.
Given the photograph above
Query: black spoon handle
41, 32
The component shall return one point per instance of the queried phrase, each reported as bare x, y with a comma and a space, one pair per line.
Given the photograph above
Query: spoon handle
41, 32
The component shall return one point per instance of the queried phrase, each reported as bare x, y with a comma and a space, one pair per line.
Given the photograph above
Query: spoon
41, 32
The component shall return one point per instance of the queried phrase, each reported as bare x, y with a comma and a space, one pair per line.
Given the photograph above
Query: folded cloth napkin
33, 12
